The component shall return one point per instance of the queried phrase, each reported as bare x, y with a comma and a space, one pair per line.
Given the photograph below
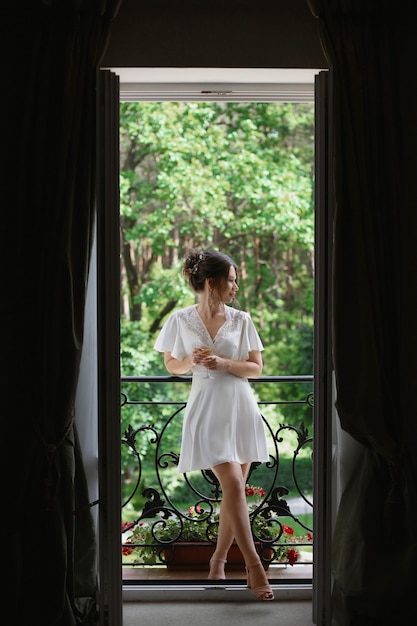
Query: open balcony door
108, 349
325, 479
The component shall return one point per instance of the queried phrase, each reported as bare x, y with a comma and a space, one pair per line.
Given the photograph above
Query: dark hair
201, 264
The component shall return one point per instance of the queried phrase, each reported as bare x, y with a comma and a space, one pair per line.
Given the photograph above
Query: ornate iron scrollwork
165, 521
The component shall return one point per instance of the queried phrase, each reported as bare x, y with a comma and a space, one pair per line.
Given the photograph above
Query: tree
234, 176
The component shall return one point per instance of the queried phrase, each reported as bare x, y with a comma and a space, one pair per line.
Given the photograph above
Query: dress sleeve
170, 338
249, 339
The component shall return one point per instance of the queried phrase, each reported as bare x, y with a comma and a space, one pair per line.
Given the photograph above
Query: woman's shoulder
238, 317
238, 314
185, 312
182, 316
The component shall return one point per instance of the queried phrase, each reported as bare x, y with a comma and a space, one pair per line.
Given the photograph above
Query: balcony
161, 506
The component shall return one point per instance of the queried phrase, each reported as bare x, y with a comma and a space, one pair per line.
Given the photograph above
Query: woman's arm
251, 368
177, 367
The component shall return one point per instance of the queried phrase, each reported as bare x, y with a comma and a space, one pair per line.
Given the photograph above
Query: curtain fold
369, 49
53, 50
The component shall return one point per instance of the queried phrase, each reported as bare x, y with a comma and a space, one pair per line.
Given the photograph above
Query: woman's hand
200, 355
251, 368
204, 356
216, 363
209, 360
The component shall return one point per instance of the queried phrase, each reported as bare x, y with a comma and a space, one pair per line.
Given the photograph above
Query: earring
210, 298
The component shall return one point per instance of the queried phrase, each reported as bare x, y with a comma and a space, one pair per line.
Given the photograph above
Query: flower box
192, 556
191, 532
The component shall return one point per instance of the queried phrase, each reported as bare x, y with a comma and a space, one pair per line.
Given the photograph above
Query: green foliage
234, 176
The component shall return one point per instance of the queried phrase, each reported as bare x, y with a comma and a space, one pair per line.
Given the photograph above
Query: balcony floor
157, 585
178, 598
284, 613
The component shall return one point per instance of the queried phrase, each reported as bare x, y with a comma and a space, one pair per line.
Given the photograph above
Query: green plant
146, 539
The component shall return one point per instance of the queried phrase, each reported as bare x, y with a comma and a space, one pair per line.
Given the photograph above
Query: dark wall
214, 33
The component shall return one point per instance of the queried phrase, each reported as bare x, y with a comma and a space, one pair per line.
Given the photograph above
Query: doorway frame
217, 90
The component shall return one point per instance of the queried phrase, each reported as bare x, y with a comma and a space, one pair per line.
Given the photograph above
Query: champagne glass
206, 351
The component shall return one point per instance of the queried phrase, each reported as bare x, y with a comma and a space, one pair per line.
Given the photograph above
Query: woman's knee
230, 476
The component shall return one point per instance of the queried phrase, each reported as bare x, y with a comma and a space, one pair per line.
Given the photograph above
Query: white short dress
222, 420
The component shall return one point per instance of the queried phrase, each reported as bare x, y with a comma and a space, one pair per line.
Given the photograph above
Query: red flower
126, 550
193, 510
287, 530
250, 490
292, 556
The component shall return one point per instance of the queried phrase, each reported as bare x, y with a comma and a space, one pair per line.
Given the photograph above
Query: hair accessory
194, 269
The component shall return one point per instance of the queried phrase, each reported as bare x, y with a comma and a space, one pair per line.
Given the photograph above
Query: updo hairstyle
201, 264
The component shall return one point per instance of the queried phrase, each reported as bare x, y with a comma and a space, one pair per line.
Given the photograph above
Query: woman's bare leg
225, 536
235, 511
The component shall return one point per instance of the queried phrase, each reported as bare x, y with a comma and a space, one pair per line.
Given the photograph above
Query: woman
223, 428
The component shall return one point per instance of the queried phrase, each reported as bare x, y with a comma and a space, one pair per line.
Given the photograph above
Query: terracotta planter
192, 556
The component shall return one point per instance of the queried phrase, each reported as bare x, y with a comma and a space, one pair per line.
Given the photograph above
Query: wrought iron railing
162, 507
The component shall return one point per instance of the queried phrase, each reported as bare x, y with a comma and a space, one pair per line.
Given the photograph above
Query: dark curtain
371, 52
50, 54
